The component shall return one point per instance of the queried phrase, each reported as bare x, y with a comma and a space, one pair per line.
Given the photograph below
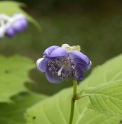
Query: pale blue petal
20, 25
43, 65
81, 56
79, 74
59, 52
52, 79
80, 59
49, 50
10, 32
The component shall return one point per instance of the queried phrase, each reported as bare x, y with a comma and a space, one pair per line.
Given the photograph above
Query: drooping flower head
60, 63
10, 26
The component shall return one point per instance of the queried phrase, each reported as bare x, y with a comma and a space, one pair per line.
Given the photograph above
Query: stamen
59, 72
56, 66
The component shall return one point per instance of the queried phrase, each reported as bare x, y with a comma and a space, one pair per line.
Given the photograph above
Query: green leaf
107, 98
56, 109
13, 74
11, 7
92, 117
14, 113
101, 97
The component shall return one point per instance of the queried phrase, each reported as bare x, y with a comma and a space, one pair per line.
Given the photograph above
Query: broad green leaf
107, 98
93, 117
14, 113
12, 7
13, 74
56, 109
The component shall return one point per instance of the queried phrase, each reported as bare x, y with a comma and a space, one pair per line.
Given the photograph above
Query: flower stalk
73, 101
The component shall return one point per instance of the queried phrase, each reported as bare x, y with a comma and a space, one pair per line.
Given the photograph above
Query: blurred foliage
73, 6
14, 73
14, 113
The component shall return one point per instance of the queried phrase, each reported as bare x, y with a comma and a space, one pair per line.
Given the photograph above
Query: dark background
94, 25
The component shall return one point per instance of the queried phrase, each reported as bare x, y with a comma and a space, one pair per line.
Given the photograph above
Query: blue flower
19, 23
60, 63
10, 26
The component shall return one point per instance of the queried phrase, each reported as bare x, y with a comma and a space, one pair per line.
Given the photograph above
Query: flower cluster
10, 26
60, 63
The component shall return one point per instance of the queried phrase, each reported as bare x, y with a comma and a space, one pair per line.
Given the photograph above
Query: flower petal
20, 25
52, 79
58, 52
81, 56
82, 60
83, 65
10, 32
43, 65
79, 74
49, 50
18, 16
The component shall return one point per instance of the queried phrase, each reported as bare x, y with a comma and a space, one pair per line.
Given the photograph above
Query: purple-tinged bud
16, 24
10, 32
20, 23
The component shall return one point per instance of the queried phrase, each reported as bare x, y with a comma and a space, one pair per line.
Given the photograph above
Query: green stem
73, 101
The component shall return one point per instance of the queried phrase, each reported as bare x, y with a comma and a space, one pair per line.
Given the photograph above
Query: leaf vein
81, 115
76, 106
109, 107
115, 105
108, 118
117, 75
47, 119
93, 119
60, 110
90, 95
97, 102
